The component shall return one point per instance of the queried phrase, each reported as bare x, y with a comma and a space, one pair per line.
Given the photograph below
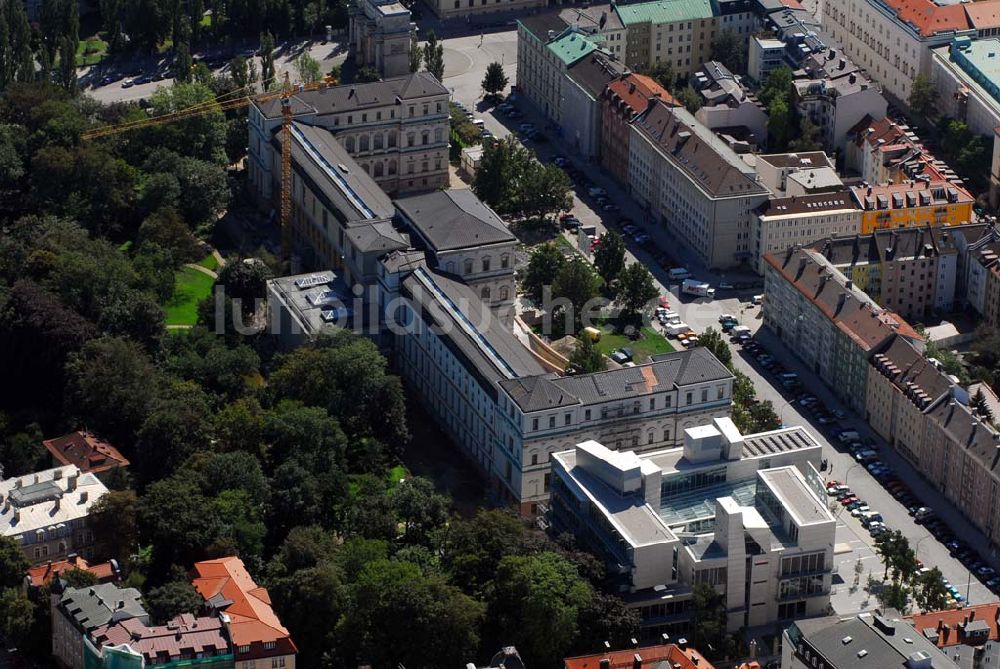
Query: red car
664, 303
847, 500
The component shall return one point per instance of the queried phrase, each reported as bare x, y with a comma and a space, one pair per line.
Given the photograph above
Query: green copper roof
664, 11
571, 47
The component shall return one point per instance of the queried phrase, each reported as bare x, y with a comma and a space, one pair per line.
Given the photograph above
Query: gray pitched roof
540, 25
696, 150
666, 372
377, 237
469, 329
867, 633
349, 97
341, 183
453, 219
595, 72
97, 605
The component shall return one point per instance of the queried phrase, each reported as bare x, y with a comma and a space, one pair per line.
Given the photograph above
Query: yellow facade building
912, 204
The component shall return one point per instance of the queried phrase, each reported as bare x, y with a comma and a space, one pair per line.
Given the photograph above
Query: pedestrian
480, 38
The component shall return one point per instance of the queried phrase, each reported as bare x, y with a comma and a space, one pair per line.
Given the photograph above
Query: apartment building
396, 131
464, 238
621, 101
783, 222
902, 384
546, 49
764, 55
43, 574
867, 638
831, 325
965, 75
892, 39
184, 641
259, 640
694, 184
46, 512
380, 36
582, 111
835, 95
674, 32
726, 105
743, 513
467, 9
86, 450
77, 612
601, 22
912, 204
987, 284
964, 634
737, 16
911, 271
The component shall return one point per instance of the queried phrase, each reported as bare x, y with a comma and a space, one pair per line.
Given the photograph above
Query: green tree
690, 98
398, 615
179, 425
416, 53
714, 341
308, 68
536, 604
979, 405
178, 521
16, 616
544, 190
586, 358
897, 556
780, 124
202, 136
606, 618
923, 96
307, 602
13, 563
894, 595
777, 84
709, 609
471, 550
171, 599
434, 56
67, 65
183, 63
419, 508
495, 80
929, 591
808, 138
267, 60
366, 75
113, 522
544, 266
577, 283
636, 289
730, 49
240, 72
609, 258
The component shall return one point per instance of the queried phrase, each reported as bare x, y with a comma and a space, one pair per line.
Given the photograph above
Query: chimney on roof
71, 481
637, 661
84, 497
605, 663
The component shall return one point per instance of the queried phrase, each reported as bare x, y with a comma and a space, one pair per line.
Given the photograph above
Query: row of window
377, 115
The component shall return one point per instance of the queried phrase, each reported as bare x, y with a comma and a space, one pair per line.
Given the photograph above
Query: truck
699, 288
678, 273
674, 329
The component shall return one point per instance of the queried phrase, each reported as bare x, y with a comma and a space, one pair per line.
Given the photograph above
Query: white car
859, 510
726, 317
128, 82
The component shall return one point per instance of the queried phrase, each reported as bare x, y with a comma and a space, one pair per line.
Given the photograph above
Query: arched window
363, 143
504, 293
378, 169
377, 141
450, 267
486, 292
438, 135
349, 144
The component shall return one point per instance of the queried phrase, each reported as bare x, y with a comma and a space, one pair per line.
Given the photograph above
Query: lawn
652, 343
209, 262
91, 51
190, 288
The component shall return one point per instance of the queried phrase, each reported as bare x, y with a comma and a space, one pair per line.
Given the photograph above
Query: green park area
90, 51
651, 343
191, 287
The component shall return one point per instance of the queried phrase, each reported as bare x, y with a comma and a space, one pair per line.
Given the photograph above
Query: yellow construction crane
237, 100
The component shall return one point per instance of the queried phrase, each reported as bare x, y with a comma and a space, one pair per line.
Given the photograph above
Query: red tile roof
636, 89
43, 573
953, 636
984, 15
251, 619
672, 654
85, 450
158, 644
928, 18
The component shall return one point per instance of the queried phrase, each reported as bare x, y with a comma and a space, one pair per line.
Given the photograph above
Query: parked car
622, 355
128, 82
